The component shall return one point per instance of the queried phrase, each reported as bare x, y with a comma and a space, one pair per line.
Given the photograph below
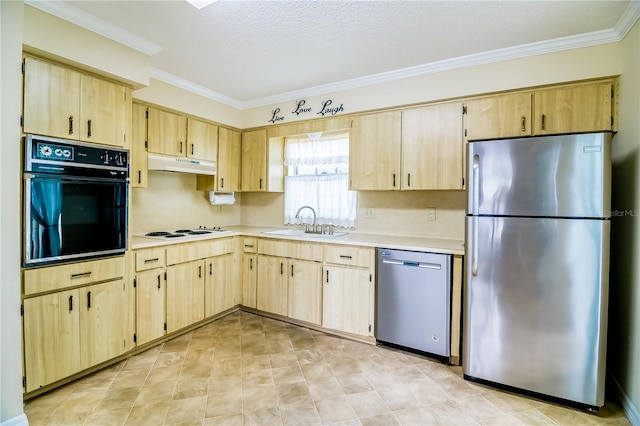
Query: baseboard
627, 405
20, 420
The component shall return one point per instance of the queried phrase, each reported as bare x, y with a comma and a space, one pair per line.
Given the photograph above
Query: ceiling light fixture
199, 4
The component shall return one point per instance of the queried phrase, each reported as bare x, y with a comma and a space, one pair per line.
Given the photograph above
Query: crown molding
96, 25
189, 86
628, 18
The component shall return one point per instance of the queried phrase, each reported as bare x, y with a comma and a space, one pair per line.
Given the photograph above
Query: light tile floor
246, 369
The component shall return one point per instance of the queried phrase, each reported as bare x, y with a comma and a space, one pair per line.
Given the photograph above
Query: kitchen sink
300, 233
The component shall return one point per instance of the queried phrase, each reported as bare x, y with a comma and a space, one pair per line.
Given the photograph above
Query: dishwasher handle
412, 264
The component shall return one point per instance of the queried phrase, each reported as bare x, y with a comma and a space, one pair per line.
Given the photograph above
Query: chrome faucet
306, 226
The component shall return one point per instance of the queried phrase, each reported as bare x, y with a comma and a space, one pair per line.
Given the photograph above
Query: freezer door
536, 295
567, 176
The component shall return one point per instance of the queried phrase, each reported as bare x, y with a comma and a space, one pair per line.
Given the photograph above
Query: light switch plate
369, 213
431, 213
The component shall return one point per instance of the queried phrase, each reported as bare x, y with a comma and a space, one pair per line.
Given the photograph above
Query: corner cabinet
65, 103
262, 162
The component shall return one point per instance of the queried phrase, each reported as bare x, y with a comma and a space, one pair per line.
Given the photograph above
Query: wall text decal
301, 108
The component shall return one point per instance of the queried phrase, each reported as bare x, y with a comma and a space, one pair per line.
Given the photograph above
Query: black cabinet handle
89, 300
327, 276
139, 176
524, 123
70, 303
291, 270
88, 128
281, 266
408, 180
200, 271
251, 264
71, 124
180, 147
191, 149
394, 180
80, 275
221, 182
155, 259
260, 183
158, 281
211, 269
344, 256
542, 124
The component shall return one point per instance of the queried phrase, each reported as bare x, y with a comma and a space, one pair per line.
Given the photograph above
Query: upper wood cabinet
501, 116
577, 108
202, 140
65, 103
166, 132
432, 145
374, 151
262, 162
229, 169
138, 158
583, 108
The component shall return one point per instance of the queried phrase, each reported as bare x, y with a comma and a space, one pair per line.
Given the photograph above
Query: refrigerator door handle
476, 184
474, 246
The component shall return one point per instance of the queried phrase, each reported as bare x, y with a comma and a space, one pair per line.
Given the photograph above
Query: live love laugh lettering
325, 109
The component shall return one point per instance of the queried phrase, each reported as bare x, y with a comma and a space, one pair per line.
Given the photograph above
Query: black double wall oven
75, 201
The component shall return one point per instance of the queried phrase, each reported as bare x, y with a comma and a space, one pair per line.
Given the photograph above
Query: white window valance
331, 149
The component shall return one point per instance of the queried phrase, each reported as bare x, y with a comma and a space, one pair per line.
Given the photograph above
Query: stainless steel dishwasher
413, 301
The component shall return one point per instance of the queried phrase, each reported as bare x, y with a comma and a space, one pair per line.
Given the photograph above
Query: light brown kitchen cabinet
219, 290
229, 169
138, 154
103, 322
185, 294
262, 162
348, 289
166, 132
51, 338
501, 116
249, 272
151, 296
202, 140
374, 151
580, 108
305, 291
273, 288
65, 103
432, 147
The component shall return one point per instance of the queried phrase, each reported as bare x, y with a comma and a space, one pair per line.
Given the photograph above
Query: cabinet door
584, 108
103, 107
254, 160
249, 279
51, 100
102, 322
229, 159
346, 300
138, 158
51, 338
432, 144
305, 291
374, 151
150, 305
185, 294
202, 140
166, 133
219, 294
502, 116
272, 285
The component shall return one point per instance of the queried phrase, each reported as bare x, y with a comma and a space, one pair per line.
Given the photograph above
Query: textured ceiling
247, 51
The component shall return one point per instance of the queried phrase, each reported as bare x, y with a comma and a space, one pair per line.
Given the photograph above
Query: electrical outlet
369, 213
431, 213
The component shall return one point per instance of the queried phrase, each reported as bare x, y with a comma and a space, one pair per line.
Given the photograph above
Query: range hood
180, 164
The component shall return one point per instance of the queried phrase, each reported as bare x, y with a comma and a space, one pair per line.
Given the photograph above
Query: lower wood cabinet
185, 294
151, 296
347, 300
219, 286
273, 285
249, 280
68, 331
305, 291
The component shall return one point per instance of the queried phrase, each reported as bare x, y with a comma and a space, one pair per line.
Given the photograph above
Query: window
318, 176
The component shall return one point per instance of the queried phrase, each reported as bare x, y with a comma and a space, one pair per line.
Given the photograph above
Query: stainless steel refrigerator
537, 265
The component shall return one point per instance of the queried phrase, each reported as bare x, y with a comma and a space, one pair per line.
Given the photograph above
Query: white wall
10, 332
624, 312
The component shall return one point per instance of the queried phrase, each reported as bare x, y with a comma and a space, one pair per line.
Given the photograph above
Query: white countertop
400, 242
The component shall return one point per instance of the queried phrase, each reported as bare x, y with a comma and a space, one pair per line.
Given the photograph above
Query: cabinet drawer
75, 274
291, 250
346, 255
181, 253
150, 258
250, 245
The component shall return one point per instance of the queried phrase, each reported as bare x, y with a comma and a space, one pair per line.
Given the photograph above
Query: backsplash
172, 202
395, 212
